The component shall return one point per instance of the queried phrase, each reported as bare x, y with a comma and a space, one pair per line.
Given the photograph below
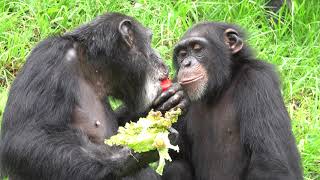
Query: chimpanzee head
205, 58
119, 47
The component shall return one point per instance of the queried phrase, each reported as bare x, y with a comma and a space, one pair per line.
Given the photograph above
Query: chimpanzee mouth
151, 90
191, 80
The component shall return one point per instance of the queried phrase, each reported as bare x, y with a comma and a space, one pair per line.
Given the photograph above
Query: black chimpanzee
57, 117
237, 126
275, 5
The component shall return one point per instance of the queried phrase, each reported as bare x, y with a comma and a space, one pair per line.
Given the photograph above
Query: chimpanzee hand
173, 136
131, 162
174, 97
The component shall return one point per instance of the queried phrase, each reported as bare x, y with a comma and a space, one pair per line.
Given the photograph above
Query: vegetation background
291, 43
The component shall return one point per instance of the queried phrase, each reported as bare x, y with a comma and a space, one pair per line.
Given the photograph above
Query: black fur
240, 128
275, 5
38, 140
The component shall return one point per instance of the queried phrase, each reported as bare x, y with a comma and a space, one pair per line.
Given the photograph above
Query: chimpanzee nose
186, 62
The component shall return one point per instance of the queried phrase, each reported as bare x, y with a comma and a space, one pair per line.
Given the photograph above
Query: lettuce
149, 133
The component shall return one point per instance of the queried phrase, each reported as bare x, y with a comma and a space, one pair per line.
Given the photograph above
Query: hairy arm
66, 155
265, 126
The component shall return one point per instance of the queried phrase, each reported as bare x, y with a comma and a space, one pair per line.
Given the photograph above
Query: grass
292, 44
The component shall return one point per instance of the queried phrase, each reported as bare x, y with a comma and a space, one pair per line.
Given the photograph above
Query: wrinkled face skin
192, 75
203, 58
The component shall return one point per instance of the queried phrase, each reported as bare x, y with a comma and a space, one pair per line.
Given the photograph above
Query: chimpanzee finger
171, 102
167, 94
134, 161
173, 136
183, 105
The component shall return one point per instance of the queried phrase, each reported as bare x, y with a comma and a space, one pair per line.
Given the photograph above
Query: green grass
292, 44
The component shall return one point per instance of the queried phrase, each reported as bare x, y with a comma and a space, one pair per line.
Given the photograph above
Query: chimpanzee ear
125, 29
232, 39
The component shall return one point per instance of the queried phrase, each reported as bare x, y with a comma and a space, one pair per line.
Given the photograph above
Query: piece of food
149, 133
165, 84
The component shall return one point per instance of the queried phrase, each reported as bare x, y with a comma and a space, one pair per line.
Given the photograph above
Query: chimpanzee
275, 5
57, 116
237, 126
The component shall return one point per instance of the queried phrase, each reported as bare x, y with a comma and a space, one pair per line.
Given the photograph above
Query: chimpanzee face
203, 58
192, 74
150, 64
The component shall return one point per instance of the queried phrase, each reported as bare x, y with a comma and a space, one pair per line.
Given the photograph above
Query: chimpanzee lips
191, 79
188, 75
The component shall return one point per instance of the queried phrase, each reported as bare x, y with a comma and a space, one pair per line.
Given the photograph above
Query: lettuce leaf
149, 133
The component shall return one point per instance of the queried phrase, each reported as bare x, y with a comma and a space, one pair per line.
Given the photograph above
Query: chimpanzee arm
265, 128
65, 155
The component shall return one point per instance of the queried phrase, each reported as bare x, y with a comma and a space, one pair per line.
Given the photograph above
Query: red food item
165, 84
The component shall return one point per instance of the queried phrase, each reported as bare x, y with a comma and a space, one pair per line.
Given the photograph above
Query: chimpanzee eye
197, 47
182, 53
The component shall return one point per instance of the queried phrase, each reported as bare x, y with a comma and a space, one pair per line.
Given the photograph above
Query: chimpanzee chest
95, 122
92, 116
214, 133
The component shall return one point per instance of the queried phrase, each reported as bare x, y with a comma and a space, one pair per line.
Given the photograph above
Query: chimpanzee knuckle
162, 108
171, 91
172, 96
163, 96
176, 98
169, 104
176, 86
165, 106
172, 102
180, 93
182, 99
168, 93
186, 102
183, 105
157, 101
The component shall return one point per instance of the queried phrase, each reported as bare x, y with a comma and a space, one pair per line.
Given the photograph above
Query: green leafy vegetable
149, 133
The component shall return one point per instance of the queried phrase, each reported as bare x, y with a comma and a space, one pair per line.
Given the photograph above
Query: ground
292, 44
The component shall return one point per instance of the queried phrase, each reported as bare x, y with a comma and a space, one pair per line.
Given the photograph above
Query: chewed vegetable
165, 84
149, 133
